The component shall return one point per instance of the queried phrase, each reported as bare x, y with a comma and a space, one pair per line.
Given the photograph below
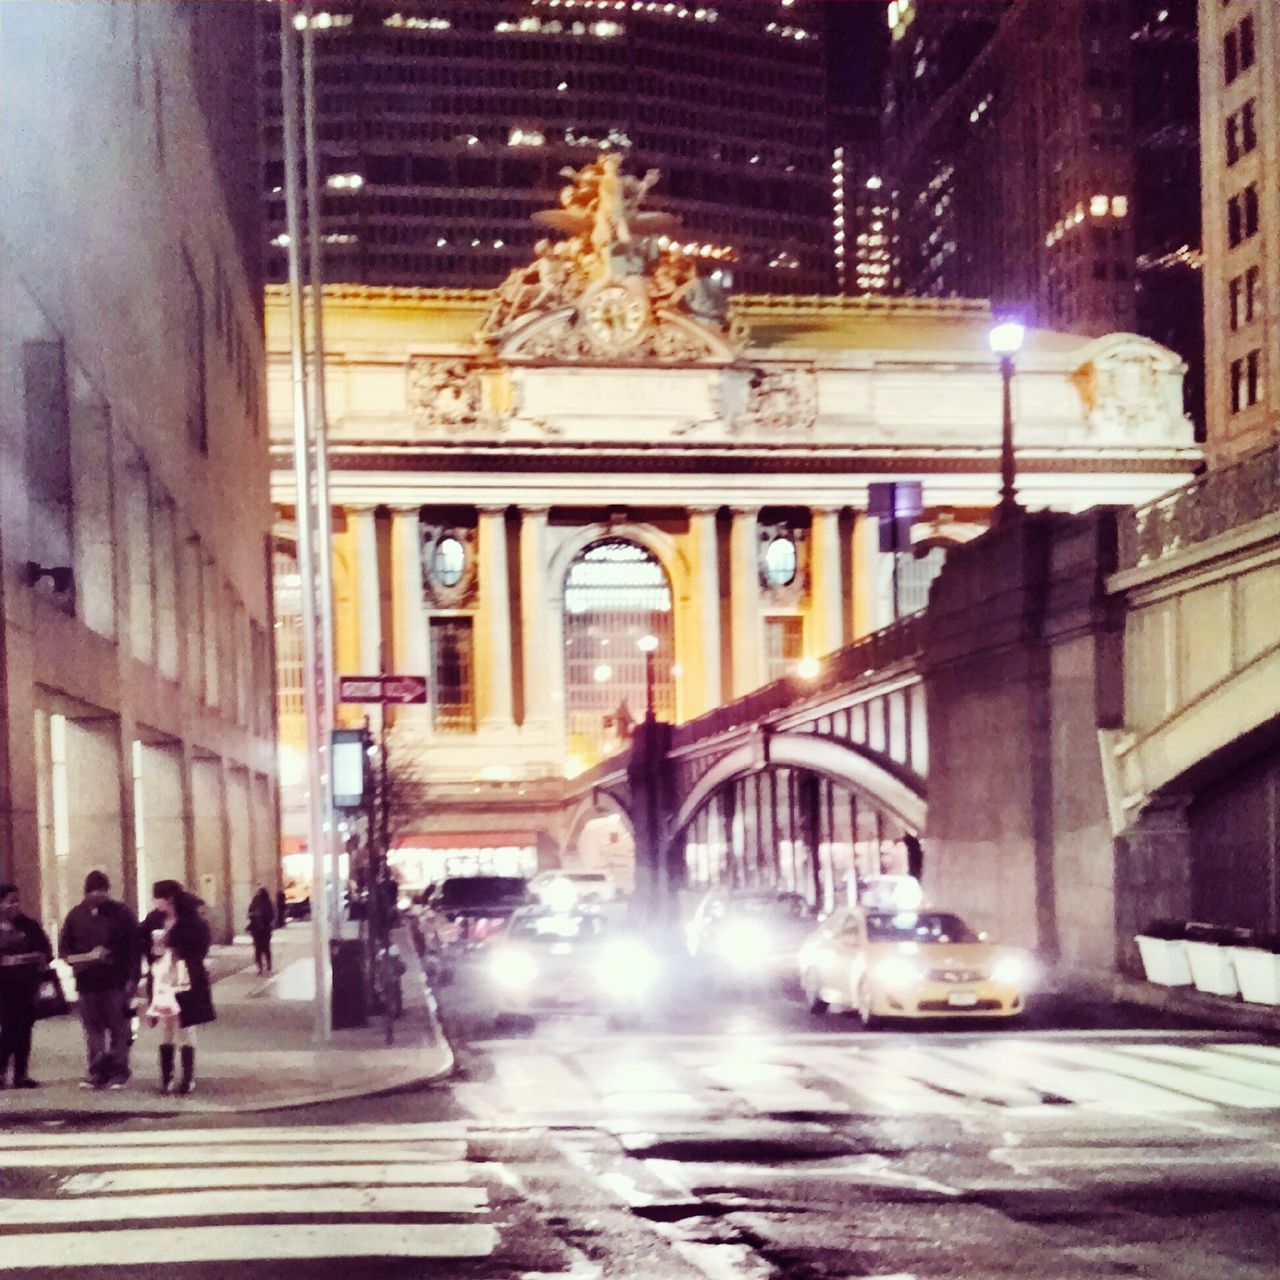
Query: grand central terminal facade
527, 482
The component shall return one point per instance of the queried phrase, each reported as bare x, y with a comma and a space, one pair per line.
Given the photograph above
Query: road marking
1250, 1072
282, 1153
1176, 1079
240, 1243
177, 1179
446, 1130
947, 1070
225, 1204
1262, 1052
869, 1081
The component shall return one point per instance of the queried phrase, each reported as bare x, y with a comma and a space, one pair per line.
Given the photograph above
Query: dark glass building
444, 124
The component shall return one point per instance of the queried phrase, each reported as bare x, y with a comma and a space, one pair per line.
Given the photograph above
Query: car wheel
812, 995
870, 1021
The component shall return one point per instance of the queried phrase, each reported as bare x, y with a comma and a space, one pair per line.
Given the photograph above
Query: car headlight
898, 971
627, 969
744, 944
512, 969
1013, 970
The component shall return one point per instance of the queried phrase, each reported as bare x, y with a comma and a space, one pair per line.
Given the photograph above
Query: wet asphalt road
732, 1138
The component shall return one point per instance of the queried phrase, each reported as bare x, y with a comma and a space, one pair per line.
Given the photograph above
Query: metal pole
320, 445
306, 548
650, 710
1008, 493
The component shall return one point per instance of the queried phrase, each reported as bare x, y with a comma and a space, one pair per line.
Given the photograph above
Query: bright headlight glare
627, 968
898, 971
744, 944
1012, 971
512, 969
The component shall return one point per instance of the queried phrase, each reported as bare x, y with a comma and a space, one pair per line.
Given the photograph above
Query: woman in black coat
181, 995
24, 953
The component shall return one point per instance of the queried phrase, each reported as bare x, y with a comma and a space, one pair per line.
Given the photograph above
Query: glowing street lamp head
647, 644
1006, 337
808, 668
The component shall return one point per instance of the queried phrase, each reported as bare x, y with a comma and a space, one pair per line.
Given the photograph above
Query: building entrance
616, 593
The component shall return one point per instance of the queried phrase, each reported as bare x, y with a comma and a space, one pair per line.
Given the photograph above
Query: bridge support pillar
649, 775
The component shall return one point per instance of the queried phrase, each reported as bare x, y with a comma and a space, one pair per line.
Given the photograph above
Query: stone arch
824, 756
593, 805
660, 545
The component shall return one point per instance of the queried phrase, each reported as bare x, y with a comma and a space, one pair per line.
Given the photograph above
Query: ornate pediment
1129, 385
616, 290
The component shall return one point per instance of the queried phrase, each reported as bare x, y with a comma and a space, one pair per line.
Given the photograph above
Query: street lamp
648, 645
1006, 340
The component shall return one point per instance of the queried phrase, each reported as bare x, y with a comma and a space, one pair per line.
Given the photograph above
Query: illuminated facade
529, 481
443, 124
1240, 128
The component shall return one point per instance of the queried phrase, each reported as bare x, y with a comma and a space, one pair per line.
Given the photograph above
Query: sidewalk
1187, 1002
259, 1055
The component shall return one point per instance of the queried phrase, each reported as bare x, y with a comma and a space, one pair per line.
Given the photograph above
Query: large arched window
615, 594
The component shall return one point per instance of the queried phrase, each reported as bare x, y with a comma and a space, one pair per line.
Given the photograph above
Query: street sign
348, 767
396, 690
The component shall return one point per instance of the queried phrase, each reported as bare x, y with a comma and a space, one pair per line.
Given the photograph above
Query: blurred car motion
890, 962
749, 936
585, 961
562, 890
463, 912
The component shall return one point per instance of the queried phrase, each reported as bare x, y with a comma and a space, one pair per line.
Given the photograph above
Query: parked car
890, 963
582, 961
749, 936
463, 912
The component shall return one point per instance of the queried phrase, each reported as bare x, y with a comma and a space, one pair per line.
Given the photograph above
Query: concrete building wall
132, 443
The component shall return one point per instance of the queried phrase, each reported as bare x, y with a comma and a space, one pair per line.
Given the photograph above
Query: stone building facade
136, 657
529, 481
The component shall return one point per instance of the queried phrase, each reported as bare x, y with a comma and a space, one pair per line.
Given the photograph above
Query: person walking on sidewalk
99, 940
24, 953
181, 995
262, 915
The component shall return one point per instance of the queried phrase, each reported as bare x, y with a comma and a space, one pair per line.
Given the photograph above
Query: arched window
616, 593
780, 562
449, 561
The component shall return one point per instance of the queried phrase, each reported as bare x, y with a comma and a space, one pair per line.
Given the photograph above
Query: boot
166, 1068
188, 1081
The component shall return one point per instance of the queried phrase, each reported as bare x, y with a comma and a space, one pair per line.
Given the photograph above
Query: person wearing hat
99, 940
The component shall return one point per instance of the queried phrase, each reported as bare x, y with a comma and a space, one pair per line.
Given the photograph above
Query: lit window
780, 561
1098, 206
449, 561
1119, 206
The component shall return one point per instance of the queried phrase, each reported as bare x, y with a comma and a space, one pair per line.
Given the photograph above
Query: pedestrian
181, 996
99, 940
262, 916
24, 953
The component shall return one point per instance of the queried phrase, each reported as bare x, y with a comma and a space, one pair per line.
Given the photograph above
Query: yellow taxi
891, 961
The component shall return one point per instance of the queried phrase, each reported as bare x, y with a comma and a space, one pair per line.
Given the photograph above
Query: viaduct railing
1212, 505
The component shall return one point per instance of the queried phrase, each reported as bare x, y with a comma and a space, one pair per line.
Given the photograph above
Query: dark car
463, 912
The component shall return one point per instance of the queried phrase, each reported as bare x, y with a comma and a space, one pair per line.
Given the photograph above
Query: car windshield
546, 928
478, 891
917, 926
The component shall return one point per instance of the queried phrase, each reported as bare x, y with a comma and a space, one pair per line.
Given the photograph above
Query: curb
1229, 1015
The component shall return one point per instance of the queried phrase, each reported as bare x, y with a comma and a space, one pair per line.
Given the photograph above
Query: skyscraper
444, 125
1240, 131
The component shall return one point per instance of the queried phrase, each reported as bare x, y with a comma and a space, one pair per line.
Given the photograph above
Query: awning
467, 840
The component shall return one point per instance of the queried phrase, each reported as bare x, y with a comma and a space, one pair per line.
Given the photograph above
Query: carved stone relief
1123, 388
781, 400
445, 395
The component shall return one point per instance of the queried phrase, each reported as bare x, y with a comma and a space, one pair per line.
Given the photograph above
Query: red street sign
401, 690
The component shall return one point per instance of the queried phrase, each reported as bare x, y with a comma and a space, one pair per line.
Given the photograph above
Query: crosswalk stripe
225, 1204
241, 1243
444, 1131
1176, 1079
213, 1177
868, 1082
970, 1079
1261, 1052
1258, 1075
282, 1153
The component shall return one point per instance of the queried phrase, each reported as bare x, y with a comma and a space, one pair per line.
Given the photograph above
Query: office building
1240, 184
136, 656
444, 124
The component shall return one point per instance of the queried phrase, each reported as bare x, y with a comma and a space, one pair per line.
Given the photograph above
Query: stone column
826, 600
493, 643
747, 638
863, 562
535, 638
411, 645
368, 597
706, 585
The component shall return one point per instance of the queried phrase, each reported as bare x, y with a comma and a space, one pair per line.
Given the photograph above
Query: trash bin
347, 1002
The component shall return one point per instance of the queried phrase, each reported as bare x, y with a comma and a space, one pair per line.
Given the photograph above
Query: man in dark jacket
24, 953
99, 941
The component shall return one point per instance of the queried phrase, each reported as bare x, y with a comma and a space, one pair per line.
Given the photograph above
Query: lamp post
1006, 340
648, 645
